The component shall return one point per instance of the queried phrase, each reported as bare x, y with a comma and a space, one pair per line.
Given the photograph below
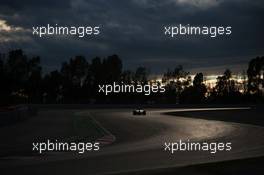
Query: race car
139, 111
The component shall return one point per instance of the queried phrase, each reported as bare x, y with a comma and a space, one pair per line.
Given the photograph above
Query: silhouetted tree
196, 92
52, 87
141, 75
112, 69
255, 74
74, 74
21, 76
77, 82
127, 77
226, 88
34, 80
3, 86
176, 81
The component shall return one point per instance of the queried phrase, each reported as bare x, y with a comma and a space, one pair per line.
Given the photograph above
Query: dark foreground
138, 146
253, 116
252, 166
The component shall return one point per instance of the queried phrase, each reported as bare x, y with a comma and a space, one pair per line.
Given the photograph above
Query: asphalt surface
140, 142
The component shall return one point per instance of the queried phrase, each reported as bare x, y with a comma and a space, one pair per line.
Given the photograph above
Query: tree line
77, 80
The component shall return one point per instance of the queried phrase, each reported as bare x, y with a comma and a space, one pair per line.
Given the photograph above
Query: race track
139, 144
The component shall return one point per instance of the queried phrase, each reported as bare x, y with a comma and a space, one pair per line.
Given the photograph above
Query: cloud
202, 4
134, 30
199, 3
4, 27
10, 33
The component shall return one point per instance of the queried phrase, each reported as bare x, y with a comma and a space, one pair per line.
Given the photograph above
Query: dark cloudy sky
133, 29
